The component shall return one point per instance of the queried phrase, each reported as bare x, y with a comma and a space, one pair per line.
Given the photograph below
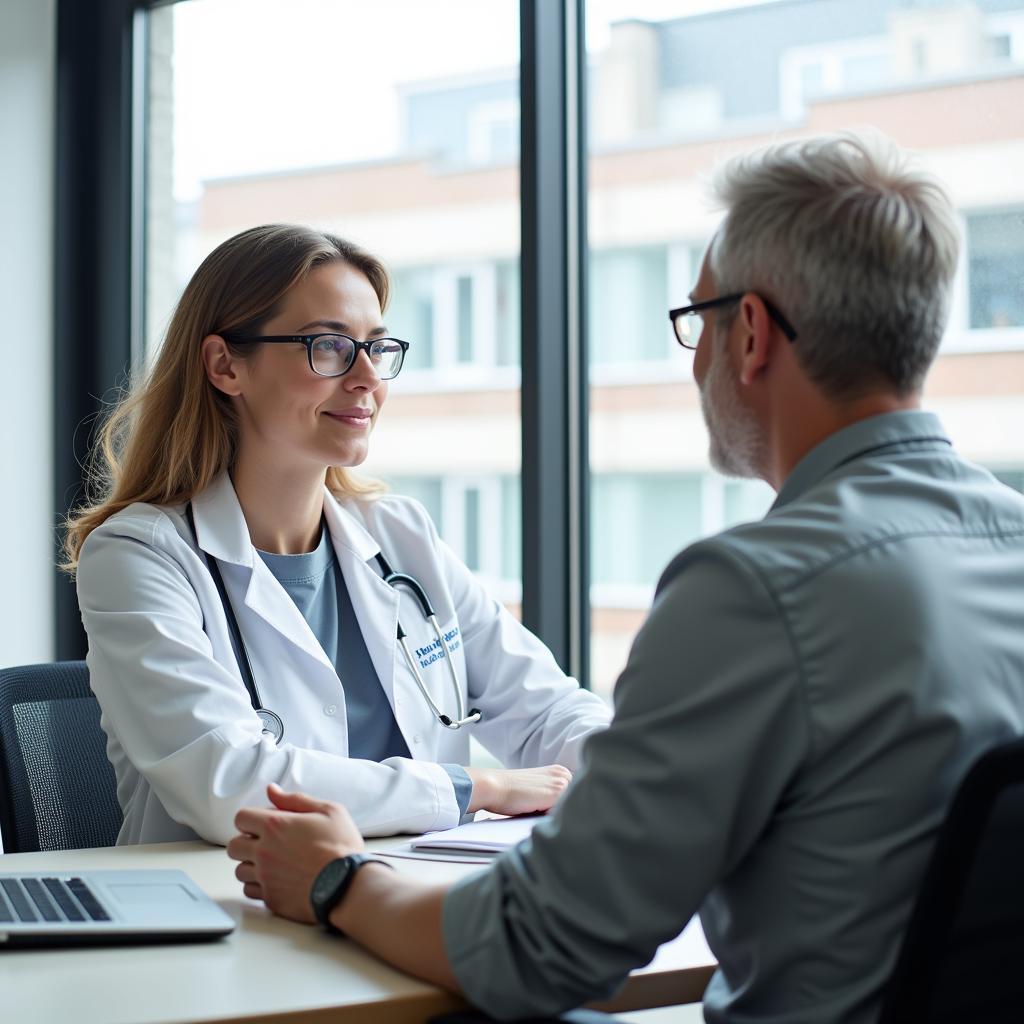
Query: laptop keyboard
48, 899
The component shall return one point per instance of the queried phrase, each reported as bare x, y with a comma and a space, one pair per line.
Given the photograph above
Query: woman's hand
282, 849
517, 791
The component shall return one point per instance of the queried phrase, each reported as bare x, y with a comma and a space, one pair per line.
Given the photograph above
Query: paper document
474, 843
489, 836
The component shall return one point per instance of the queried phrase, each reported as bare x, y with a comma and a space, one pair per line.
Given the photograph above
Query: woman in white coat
230, 460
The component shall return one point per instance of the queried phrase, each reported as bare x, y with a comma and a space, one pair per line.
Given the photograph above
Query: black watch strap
333, 881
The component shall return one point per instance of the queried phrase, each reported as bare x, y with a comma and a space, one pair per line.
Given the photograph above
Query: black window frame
99, 279
98, 246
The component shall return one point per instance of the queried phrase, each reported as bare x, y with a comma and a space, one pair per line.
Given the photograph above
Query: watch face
329, 879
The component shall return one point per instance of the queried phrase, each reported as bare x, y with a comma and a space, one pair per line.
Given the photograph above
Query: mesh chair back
963, 953
57, 788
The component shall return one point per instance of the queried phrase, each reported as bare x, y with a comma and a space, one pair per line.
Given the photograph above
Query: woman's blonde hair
174, 431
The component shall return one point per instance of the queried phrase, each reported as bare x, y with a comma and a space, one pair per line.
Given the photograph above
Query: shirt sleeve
708, 730
463, 785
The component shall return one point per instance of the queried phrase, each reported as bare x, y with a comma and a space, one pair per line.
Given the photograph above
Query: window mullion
555, 558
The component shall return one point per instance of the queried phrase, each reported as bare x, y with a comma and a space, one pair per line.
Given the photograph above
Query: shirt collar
304, 567
911, 426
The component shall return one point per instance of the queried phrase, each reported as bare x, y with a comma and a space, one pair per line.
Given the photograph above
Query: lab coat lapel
222, 533
270, 601
375, 603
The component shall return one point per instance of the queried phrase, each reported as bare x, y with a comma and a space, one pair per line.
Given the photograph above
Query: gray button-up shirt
801, 702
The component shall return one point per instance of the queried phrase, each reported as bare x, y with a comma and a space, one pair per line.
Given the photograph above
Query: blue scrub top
314, 581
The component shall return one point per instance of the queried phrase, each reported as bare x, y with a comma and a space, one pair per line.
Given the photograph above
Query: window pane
628, 301
639, 521
464, 324
677, 87
511, 528
995, 242
410, 315
508, 314
472, 519
425, 489
410, 150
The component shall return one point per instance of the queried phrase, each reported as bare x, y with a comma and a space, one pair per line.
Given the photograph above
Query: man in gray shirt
807, 691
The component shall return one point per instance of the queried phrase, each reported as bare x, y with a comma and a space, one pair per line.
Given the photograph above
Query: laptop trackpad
166, 894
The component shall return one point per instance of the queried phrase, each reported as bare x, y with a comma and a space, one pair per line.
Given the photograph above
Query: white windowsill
991, 339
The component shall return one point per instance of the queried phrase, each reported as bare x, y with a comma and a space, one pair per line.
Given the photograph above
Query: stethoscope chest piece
272, 724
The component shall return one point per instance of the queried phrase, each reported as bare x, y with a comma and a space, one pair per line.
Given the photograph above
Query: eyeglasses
332, 355
687, 327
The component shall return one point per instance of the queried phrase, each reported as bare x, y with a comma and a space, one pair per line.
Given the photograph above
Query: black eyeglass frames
687, 326
332, 355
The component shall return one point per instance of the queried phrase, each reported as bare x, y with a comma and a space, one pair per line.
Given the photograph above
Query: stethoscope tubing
273, 724
395, 580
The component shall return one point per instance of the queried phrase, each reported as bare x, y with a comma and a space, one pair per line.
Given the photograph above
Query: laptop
57, 908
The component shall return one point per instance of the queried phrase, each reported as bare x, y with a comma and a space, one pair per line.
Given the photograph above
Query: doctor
243, 593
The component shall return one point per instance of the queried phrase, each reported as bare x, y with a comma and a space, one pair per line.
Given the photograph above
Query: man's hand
282, 849
517, 791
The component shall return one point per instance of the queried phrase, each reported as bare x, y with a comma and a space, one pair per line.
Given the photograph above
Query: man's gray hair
855, 248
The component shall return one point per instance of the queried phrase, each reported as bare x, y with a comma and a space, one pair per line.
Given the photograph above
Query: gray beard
737, 444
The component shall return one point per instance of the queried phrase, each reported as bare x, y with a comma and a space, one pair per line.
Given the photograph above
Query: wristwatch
330, 886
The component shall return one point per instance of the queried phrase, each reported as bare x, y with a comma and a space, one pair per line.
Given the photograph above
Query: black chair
57, 789
962, 958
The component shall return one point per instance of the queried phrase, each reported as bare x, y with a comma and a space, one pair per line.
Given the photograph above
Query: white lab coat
185, 743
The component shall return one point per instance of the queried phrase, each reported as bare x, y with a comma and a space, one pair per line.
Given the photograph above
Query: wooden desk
270, 970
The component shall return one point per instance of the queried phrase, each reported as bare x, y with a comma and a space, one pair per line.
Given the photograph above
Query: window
480, 519
406, 150
493, 130
1000, 47
464, 319
465, 120
410, 315
995, 253
628, 300
811, 74
421, 172
933, 77
507, 313
639, 521
511, 528
424, 489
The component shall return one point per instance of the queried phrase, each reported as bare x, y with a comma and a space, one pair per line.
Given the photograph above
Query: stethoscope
273, 725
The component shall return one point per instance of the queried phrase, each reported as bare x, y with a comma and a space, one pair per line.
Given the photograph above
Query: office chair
962, 957
57, 789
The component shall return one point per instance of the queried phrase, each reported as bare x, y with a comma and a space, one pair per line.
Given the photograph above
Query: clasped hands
281, 849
